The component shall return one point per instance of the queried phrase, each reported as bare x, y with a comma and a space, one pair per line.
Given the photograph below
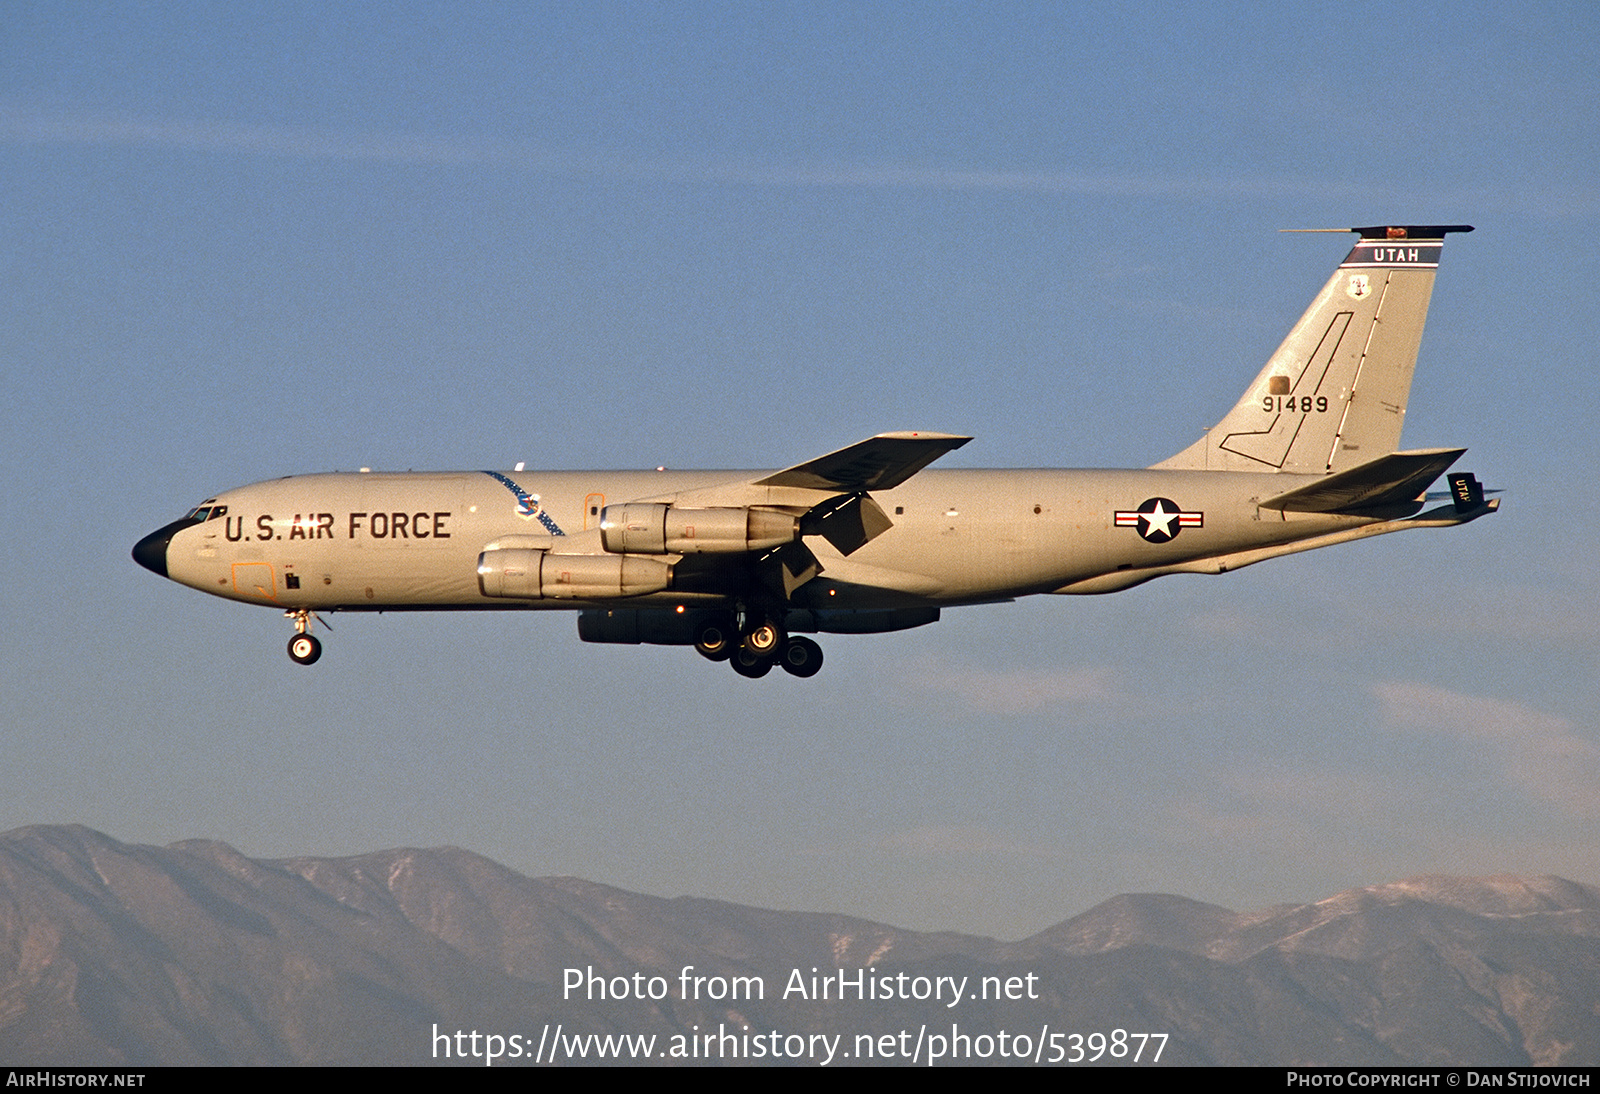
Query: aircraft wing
877, 463
830, 495
1389, 480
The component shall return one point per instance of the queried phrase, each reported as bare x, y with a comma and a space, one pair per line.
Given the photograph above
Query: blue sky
246, 241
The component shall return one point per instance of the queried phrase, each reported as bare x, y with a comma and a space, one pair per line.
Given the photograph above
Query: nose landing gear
304, 648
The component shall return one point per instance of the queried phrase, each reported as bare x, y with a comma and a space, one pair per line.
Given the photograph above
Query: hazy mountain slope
115, 953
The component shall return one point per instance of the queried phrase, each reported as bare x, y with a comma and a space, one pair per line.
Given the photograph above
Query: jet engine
526, 574
653, 528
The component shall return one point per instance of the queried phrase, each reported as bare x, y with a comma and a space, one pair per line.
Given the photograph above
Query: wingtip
924, 435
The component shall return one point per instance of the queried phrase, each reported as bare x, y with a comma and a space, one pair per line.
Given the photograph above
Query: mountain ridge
114, 953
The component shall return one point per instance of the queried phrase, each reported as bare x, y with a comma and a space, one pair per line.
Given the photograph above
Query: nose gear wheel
304, 647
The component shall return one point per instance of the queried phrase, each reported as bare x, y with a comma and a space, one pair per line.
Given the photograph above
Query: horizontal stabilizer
1396, 478
1410, 231
877, 463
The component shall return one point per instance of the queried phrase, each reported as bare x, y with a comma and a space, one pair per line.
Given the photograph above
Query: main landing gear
761, 646
304, 649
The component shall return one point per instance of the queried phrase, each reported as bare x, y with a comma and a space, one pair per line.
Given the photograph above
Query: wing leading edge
849, 518
877, 463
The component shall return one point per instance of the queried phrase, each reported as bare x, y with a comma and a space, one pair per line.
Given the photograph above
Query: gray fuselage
386, 541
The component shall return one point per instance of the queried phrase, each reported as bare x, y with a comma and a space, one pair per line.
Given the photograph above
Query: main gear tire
765, 640
716, 639
750, 666
801, 657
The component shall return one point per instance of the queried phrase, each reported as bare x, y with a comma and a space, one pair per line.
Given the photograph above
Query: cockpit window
206, 510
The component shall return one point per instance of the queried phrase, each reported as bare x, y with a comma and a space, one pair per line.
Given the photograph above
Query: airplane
743, 565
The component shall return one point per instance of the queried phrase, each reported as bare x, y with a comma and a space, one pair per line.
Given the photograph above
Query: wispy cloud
27, 123
22, 124
1285, 811
1543, 755
1353, 825
1550, 617
942, 841
31, 123
1016, 691
889, 176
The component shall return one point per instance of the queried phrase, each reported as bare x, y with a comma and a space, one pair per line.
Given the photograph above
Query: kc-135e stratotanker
863, 540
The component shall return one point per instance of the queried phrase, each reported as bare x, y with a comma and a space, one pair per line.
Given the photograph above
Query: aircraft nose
151, 551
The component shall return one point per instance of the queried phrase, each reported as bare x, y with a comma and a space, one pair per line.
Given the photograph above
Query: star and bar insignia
1159, 519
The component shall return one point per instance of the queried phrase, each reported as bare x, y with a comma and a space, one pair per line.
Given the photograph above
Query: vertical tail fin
1334, 394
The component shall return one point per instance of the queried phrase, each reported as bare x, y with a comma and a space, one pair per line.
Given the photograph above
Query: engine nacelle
653, 528
525, 574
